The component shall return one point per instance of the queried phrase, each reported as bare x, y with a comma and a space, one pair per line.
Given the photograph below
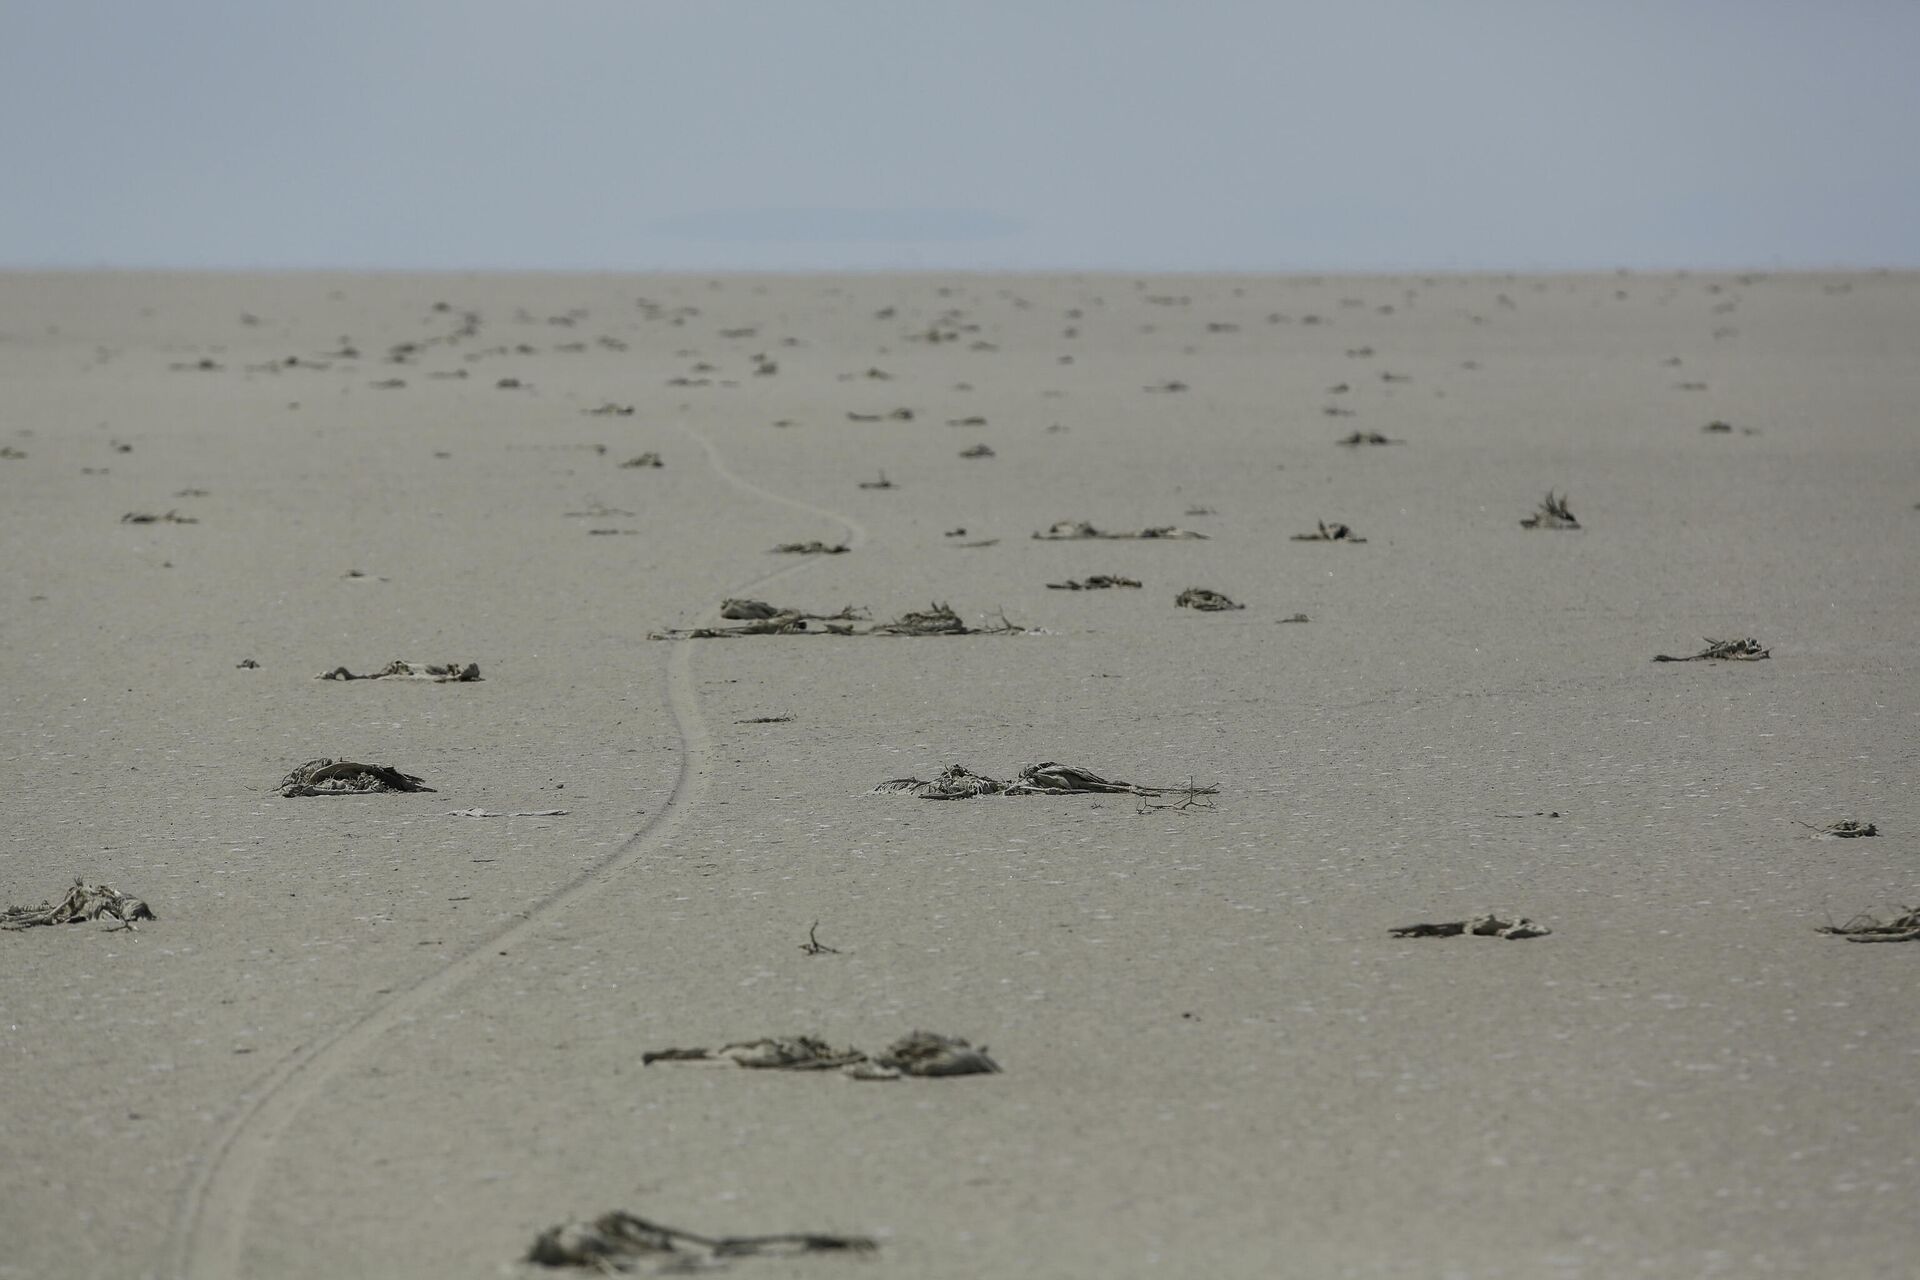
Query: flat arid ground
369, 1035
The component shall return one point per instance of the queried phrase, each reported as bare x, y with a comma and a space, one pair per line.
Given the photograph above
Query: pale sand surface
365, 1038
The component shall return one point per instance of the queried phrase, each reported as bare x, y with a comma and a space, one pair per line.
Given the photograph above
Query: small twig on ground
1904, 927
1335, 532
1551, 514
814, 947
1192, 798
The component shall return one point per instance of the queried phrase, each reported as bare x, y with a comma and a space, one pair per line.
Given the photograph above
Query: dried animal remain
83, 902
437, 672
741, 610
1747, 650
649, 459
616, 1243
1098, 582
769, 1053
147, 517
936, 620
1846, 829
1904, 927
922, 1053
780, 624
815, 548
1365, 437
516, 813
1335, 532
957, 782
1480, 927
941, 620
327, 777
926, 1053
1203, 599
1076, 530
1552, 514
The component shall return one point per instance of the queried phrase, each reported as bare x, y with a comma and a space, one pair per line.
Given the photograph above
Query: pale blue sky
906, 134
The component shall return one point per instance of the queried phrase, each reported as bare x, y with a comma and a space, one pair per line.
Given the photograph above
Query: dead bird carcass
957, 782
1487, 926
83, 902
1747, 650
1095, 582
329, 777
940, 620
436, 672
1205, 600
1080, 531
919, 1053
618, 1242
742, 610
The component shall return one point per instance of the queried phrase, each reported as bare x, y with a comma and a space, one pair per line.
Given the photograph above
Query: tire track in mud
210, 1225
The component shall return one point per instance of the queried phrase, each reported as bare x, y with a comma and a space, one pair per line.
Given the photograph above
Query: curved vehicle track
209, 1233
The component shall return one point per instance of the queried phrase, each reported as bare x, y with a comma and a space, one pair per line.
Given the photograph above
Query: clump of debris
1747, 650
738, 610
148, 517
437, 672
1552, 514
328, 777
1203, 599
83, 902
1366, 437
648, 459
1904, 927
1335, 532
1077, 530
814, 548
920, 1053
761, 619
1845, 829
1488, 926
618, 1242
1097, 582
779, 624
957, 782
940, 620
